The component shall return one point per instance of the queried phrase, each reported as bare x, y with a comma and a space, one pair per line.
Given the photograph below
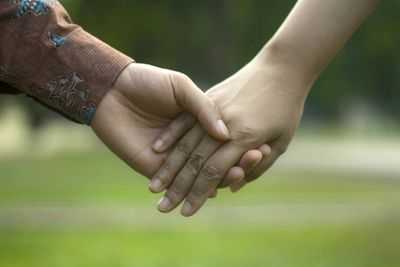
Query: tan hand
141, 105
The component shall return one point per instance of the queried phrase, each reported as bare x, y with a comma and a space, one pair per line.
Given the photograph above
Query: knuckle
195, 163
179, 82
189, 122
174, 191
165, 171
195, 197
185, 148
181, 79
207, 104
211, 173
211, 104
185, 120
184, 77
198, 194
169, 134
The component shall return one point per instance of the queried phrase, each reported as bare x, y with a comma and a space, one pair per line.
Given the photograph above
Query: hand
141, 105
261, 104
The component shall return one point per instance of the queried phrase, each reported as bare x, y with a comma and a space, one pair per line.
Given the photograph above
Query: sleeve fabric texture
44, 55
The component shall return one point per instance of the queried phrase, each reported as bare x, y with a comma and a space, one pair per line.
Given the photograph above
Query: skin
261, 104
142, 103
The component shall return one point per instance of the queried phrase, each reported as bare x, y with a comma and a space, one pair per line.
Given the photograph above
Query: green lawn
285, 219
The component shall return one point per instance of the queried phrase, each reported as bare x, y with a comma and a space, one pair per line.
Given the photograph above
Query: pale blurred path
282, 215
372, 156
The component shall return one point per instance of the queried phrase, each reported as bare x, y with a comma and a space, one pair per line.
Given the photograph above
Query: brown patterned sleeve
46, 56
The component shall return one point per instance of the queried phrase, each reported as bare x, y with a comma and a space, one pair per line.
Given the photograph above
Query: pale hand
261, 104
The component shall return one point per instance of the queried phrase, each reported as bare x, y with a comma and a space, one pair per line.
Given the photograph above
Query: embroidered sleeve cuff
46, 56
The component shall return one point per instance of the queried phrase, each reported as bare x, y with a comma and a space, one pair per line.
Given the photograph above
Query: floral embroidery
64, 94
57, 40
36, 7
87, 114
3, 73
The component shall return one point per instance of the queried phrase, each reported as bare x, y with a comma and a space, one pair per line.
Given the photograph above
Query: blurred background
332, 200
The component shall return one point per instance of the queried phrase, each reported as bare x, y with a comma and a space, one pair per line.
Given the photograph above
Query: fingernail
255, 163
223, 128
156, 185
158, 145
186, 209
163, 204
265, 150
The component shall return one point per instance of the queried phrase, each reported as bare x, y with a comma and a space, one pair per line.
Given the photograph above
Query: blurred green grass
98, 179
204, 247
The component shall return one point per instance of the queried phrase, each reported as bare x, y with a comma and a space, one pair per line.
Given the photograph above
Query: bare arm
263, 102
313, 33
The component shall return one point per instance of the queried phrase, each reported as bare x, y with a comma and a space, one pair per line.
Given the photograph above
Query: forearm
313, 34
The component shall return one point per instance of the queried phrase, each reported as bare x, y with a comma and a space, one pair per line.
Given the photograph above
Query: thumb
190, 98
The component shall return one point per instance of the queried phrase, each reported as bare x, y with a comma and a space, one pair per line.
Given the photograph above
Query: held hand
261, 104
141, 105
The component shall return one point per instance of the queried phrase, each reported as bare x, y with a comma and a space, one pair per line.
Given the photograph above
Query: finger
249, 160
277, 148
256, 171
210, 176
265, 149
176, 160
234, 175
183, 182
175, 130
253, 157
189, 97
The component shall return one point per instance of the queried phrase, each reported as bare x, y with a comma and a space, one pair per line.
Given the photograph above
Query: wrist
290, 62
291, 80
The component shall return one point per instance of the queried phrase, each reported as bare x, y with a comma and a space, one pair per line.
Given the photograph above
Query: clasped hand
164, 127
